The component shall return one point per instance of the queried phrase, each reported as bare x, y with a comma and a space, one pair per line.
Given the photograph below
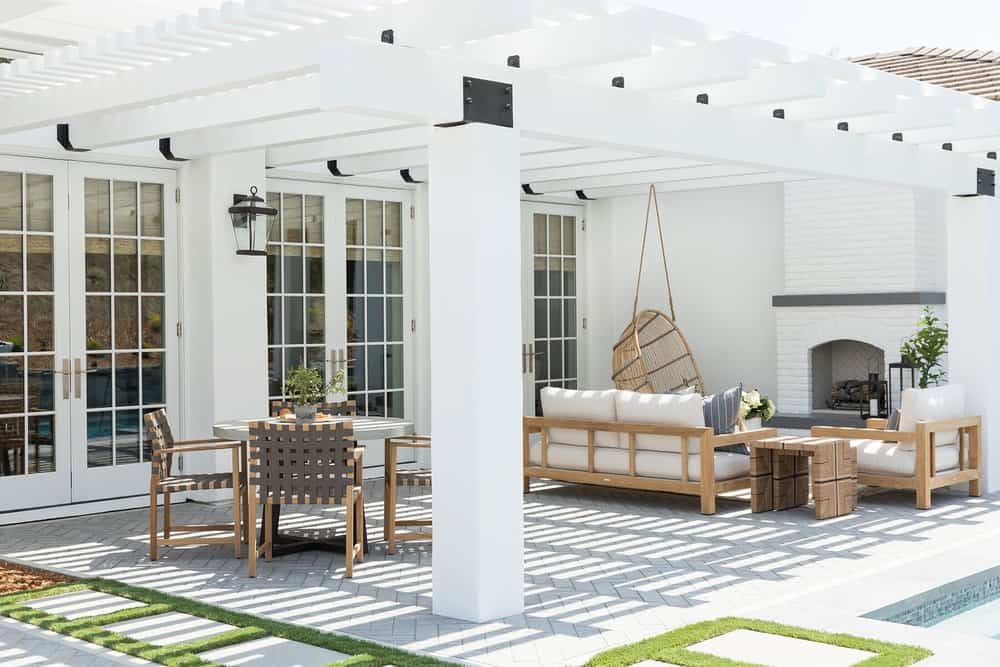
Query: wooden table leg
835, 480
790, 471
761, 484
389, 499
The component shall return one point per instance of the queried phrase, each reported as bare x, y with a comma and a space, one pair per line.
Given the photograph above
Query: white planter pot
753, 423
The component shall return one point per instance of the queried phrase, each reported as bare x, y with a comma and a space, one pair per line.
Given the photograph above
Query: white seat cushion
682, 410
933, 403
888, 458
574, 404
663, 465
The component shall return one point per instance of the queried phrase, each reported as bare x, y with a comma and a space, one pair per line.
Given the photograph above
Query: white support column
475, 305
974, 316
224, 308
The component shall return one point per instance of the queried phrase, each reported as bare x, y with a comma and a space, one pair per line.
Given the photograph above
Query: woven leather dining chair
333, 408
163, 482
306, 464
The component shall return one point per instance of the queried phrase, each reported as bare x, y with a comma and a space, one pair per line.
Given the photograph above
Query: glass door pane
34, 418
125, 351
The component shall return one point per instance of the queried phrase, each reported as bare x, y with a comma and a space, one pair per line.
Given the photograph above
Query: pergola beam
401, 138
712, 183
633, 178
602, 168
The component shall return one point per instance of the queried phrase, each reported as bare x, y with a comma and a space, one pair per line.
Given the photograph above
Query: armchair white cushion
577, 404
682, 410
933, 403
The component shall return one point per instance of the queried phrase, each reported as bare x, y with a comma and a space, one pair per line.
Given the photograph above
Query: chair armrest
951, 424
205, 441
862, 434
742, 437
875, 422
201, 446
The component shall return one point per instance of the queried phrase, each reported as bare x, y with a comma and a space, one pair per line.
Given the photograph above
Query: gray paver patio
602, 567
24, 644
82, 604
273, 651
169, 629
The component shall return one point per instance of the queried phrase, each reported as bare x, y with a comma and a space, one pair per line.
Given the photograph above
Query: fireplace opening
845, 373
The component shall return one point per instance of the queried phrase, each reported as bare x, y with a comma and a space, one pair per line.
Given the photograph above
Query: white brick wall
842, 236
801, 329
845, 237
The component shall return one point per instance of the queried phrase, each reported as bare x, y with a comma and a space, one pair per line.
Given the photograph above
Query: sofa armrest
742, 437
862, 434
936, 426
876, 422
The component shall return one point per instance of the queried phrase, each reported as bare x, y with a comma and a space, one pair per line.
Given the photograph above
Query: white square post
974, 316
476, 410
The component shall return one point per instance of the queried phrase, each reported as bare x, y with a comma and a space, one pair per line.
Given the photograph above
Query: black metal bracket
580, 194
332, 166
843, 126
388, 36
166, 151
779, 114
897, 136
986, 184
514, 61
407, 178
947, 146
701, 98
992, 155
618, 82
526, 187
490, 102
62, 136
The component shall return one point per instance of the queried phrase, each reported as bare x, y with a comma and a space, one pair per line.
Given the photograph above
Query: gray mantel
867, 299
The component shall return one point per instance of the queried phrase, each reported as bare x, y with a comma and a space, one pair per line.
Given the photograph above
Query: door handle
78, 373
66, 379
524, 358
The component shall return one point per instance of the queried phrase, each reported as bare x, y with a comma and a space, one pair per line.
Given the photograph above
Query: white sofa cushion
665, 409
576, 404
944, 402
888, 458
662, 465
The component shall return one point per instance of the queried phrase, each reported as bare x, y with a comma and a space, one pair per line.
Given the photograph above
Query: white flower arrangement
752, 404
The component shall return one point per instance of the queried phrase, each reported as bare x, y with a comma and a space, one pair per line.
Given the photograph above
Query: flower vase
753, 423
305, 413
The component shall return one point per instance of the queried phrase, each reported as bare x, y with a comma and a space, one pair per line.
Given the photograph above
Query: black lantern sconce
251, 223
900, 368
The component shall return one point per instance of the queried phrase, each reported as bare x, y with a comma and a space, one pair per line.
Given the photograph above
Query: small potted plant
926, 347
305, 388
756, 409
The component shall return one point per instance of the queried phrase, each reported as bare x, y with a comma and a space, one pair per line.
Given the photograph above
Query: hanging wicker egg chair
652, 355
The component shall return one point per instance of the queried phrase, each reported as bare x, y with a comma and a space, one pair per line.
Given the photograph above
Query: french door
86, 308
122, 317
338, 293
551, 311
35, 381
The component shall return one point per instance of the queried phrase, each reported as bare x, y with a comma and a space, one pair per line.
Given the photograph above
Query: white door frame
18, 492
528, 210
131, 479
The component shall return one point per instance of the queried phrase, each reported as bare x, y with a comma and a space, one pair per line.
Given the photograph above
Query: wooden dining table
365, 429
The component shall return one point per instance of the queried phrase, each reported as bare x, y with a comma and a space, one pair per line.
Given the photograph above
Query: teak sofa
629, 440
936, 445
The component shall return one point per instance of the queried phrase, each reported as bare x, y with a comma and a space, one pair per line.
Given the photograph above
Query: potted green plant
926, 347
305, 388
756, 409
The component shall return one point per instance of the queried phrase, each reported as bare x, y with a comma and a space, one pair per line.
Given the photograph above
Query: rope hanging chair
652, 355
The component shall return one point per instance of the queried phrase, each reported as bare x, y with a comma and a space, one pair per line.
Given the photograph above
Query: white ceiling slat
371, 163
355, 144
631, 178
769, 85
912, 114
971, 124
283, 98
575, 156
846, 100
694, 184
603, 168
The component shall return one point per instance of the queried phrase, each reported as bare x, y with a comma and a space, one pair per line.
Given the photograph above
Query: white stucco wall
725, 253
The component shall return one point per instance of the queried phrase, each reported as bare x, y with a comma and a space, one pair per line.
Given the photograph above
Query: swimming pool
969, 605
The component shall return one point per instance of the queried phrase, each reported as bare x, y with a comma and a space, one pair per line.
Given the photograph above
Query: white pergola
488, 102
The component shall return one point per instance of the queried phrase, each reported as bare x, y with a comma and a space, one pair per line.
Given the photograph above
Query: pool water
970, 605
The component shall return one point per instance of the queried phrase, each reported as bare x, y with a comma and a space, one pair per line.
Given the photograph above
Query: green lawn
362, 653
672, 647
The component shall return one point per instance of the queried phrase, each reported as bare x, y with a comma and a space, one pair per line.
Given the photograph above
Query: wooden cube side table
779, 475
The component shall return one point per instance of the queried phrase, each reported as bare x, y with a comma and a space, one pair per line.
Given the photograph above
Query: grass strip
246, 628
673, 647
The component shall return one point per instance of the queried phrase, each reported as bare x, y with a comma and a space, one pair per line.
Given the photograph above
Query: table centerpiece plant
305, 388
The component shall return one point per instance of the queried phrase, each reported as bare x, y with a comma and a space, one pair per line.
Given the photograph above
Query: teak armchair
923, 441
162, 482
